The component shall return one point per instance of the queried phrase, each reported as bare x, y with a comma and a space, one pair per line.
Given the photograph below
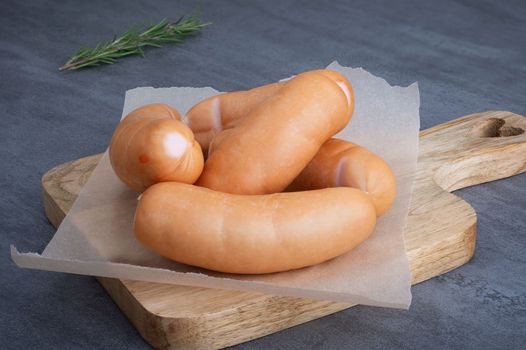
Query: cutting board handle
474, 149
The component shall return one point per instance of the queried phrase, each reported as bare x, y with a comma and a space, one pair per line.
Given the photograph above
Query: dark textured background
467, 56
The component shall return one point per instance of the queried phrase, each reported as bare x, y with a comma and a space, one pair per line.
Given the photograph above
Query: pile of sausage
276, 191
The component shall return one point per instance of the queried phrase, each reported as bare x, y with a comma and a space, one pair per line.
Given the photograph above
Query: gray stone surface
467, 56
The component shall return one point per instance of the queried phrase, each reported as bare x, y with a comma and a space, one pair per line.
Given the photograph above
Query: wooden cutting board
440, 236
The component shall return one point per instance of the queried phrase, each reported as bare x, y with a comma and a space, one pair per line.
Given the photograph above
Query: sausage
277, 139
252, 234
342, 163
152, 144
214, 114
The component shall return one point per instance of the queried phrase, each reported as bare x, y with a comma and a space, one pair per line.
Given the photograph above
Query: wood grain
440, 236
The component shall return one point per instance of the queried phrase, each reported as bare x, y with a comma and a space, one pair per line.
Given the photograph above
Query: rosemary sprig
133, 41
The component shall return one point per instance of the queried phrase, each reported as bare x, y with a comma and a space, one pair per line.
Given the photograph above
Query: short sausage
271, 145
152, 144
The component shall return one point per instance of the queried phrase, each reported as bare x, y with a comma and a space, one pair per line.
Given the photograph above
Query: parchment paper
96, 237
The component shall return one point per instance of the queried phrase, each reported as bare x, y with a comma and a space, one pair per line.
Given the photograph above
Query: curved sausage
252, 234
214, 114
278, 138
152, 144
342, 163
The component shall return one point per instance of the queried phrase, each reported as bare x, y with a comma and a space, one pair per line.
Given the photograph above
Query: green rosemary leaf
133, 41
